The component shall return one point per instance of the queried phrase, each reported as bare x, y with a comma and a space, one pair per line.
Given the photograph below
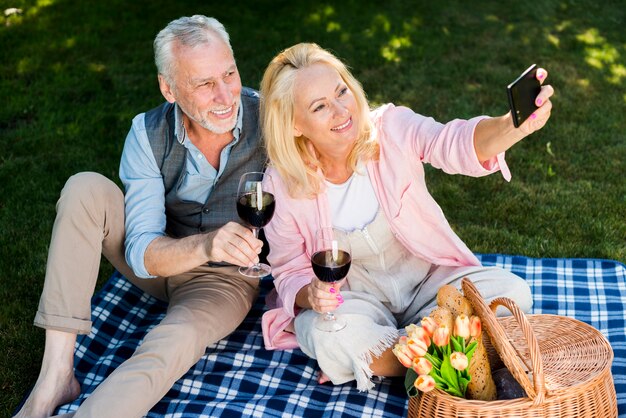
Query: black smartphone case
522, 94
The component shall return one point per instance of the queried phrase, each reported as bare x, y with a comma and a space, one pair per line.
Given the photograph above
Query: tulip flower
421, 365
418, 334
441, 337
475, 327
409, 328
425, 383
429, 325
459, 361
462, 326
417, 347
404, 355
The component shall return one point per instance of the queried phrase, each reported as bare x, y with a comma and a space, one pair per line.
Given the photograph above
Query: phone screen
522, 94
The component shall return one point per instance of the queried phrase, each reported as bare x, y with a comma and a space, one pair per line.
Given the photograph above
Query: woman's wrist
302, 298
509, 132
495, 135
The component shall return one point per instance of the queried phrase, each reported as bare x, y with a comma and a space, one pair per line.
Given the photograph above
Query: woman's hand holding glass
324, 297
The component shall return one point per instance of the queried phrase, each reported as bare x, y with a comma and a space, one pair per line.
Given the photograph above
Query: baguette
452, 303
481, 387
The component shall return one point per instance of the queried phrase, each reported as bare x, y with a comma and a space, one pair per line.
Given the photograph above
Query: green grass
74, 73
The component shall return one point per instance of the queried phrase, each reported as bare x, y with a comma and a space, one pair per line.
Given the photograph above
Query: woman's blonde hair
290, 155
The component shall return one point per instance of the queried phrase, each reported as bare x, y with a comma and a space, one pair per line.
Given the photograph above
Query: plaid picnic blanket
238, 377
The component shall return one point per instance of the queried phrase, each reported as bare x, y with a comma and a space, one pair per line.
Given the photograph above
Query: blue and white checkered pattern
238, 377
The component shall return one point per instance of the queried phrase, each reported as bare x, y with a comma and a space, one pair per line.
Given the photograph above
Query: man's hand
234, 244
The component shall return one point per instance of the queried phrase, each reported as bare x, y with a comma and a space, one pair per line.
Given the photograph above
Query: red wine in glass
329, 269
330, 262
250, 212
255, 206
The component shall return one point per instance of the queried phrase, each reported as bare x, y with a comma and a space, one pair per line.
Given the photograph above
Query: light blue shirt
145, 194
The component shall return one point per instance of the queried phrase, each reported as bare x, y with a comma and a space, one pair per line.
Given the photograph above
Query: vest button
205, 210
203, 229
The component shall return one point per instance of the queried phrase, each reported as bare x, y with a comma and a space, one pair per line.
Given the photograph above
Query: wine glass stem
329, 316
255, 232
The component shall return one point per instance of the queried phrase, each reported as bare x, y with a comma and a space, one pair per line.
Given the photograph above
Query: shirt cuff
494, 163
136, 251
497, 163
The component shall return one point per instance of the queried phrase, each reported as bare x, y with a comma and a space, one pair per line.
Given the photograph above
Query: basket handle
511, 357
533, 345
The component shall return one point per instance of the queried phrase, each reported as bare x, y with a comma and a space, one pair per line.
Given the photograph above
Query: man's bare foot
48, 393
322, 378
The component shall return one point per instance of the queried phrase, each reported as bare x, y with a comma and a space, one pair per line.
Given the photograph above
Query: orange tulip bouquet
436, 358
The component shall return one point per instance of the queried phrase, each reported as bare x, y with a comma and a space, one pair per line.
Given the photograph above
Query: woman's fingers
324, 297
540, 116
546, 92
541, 75
538, 119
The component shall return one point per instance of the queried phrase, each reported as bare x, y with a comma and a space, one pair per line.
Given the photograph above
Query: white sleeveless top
353, 204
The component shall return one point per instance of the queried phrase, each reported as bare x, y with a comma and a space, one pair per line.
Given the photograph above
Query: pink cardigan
406, 141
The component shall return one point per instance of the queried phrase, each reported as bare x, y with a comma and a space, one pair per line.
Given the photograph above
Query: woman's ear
296, 132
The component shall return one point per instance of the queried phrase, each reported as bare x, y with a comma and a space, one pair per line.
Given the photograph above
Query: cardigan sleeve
449, 147
291, 265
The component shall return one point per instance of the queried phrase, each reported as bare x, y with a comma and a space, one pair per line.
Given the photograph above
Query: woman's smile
344, 126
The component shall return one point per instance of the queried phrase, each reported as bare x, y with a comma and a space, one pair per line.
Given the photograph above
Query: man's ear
166, 89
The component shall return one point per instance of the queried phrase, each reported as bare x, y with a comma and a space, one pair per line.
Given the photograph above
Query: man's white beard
222, 129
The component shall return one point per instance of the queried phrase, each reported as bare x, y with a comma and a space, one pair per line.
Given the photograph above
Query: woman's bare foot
48, 393
322, 378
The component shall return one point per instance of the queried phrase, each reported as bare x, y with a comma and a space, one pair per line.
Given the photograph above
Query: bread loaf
451, 298
452, 303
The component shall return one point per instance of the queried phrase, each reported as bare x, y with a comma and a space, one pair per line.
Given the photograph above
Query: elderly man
173, 233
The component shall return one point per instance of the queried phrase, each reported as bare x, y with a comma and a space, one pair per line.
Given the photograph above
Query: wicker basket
568, 361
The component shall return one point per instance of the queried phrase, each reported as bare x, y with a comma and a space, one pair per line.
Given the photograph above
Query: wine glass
255, 207
331, 261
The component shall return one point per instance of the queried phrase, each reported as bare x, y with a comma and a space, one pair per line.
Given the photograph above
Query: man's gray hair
188, 31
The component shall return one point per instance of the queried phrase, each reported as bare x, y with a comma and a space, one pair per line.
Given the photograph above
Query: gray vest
186, 218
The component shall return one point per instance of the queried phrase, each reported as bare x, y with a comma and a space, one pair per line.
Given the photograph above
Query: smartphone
522, 94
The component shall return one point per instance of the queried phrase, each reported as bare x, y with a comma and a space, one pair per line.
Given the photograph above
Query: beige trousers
205, 304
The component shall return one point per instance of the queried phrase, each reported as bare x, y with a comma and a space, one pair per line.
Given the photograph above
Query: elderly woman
336, 163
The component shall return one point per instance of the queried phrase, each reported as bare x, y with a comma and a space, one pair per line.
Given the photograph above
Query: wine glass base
257, 270
332, 324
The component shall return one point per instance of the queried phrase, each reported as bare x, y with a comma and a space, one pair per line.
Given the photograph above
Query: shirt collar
181, 133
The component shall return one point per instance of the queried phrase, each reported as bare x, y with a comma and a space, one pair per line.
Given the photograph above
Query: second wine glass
255, 207
331, 261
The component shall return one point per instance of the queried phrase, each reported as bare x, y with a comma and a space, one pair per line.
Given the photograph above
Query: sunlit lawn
74, 73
